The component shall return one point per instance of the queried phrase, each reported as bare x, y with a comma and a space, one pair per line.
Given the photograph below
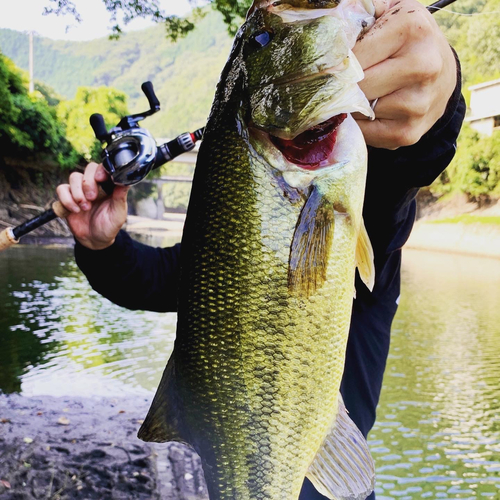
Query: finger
390, 33
397, 73
101, 175
411, 103
66, 198
378, 133
76, 186
392, 130
386, 35
89, 184
381, 6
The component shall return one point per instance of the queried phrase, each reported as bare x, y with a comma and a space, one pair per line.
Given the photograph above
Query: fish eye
261, 38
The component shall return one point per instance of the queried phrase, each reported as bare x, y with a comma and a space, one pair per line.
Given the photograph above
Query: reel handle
154, 103
99, 127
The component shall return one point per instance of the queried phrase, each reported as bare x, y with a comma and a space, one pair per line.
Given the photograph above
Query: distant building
484, 113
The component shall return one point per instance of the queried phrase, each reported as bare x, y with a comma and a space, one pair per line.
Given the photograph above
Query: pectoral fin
343, 468
163, 421
311, 245
364, 258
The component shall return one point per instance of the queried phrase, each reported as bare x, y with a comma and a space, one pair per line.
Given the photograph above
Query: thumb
120, 193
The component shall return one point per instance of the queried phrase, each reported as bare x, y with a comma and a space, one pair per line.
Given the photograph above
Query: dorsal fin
343, 468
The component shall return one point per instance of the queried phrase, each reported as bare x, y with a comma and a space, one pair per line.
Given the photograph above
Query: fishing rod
130, 154
440, 4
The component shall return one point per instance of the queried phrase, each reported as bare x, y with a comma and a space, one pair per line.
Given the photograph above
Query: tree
475, 170
109, 102
29, 125
124, 11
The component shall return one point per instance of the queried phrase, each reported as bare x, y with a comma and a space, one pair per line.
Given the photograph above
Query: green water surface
438, 428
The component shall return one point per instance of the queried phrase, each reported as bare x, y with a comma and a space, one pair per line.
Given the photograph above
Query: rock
93, 458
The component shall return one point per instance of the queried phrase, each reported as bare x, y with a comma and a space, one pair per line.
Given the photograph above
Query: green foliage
176, 195
29, 125
7, 109
233, 12
109, 102
122, 12
473, 29
48, 93
475, 170
185, 74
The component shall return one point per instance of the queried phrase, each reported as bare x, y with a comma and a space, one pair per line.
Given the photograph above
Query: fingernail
85, 206
76, 210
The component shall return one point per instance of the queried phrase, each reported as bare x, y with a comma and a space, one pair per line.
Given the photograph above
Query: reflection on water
438, 429
59, 337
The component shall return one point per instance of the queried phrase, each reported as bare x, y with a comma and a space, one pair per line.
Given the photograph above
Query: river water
438, 428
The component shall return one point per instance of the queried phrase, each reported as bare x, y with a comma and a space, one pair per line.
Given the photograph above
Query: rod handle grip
7, 239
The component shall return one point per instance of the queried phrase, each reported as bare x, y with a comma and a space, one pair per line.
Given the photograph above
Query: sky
26, 15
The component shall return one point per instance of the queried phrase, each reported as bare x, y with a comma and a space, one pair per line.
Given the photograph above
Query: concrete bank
471, 239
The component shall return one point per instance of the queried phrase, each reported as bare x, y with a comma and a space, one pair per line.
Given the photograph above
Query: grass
469, 219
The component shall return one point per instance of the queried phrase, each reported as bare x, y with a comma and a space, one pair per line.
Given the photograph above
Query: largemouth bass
272, 238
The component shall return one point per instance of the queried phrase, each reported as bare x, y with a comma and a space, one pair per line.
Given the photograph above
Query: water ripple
438, 428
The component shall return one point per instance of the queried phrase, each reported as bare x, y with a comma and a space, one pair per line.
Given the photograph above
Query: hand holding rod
130, 155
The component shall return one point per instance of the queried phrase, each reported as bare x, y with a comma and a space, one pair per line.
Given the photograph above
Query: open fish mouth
313, 148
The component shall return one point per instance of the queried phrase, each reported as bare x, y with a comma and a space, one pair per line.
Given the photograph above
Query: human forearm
131, 274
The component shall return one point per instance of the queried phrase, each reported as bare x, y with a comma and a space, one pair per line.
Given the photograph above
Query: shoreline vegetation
456, 226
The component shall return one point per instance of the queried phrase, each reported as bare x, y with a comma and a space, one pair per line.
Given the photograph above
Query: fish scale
252, 384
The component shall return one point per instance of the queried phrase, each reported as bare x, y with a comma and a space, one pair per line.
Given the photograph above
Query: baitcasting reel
131, 152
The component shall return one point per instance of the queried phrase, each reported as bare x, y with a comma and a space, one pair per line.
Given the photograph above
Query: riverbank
463, 237
457, 226
86, 448
470, 233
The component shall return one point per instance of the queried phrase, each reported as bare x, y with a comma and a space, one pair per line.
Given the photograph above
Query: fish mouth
313, 148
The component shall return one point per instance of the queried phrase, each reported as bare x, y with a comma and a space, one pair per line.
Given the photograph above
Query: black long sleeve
133, 275
394, 178
389, 213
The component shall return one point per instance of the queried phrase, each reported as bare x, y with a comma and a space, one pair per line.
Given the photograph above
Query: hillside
184, 74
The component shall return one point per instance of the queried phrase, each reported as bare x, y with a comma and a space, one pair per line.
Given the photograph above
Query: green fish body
269, 253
